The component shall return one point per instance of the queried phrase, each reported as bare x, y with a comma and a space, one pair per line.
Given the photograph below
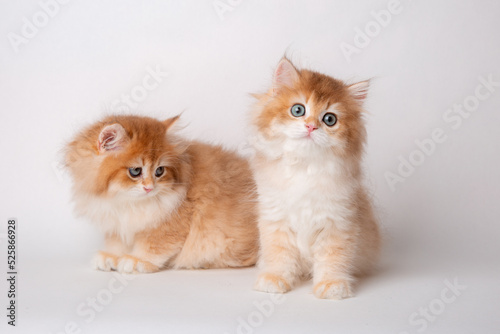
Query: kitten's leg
279, 259
108, 260
334, 252
149, 254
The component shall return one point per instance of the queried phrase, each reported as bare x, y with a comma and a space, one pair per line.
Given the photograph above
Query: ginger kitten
161, 201
315, 216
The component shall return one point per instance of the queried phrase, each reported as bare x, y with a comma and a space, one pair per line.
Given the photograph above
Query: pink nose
147, 189
311, 127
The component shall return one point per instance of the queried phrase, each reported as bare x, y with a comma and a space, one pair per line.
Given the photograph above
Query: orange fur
200, 213
315, 216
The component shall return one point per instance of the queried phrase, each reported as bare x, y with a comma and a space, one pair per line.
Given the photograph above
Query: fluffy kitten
162, 201
315, 216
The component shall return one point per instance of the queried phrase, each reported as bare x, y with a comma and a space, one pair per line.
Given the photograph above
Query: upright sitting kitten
315, 216
162, 201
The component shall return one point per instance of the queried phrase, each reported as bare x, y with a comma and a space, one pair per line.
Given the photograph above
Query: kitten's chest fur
305, 195
125, 218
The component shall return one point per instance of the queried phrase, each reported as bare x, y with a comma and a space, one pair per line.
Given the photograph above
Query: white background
440, 224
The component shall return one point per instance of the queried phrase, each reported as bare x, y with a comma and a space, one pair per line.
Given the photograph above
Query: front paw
272, 283
105, 261
333, 289
128, 265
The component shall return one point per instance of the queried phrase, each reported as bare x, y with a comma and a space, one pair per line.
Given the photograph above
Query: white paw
333, 289
271, 283
104, 261
128, 265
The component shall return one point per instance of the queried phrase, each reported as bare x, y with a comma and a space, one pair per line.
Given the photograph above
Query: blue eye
298, 110
330, 119
159, 171
135, 172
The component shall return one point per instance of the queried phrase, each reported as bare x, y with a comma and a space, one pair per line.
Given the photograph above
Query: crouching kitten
161, 201
315, 216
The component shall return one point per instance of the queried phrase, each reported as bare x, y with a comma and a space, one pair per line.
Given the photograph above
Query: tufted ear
172, 126
285, 75
359, 91
112, 138
170, 122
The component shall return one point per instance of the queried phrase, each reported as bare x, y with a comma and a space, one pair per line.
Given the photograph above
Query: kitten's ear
172, 126
170, 122
285, 75
113, 137
359, 91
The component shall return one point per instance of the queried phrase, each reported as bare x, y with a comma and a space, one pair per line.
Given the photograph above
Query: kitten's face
309, 121
311, 110
132, 157
140, 177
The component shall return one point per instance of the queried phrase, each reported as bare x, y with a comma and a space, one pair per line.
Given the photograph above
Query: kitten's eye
298, 110
159, 171
135, 172
330, 119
